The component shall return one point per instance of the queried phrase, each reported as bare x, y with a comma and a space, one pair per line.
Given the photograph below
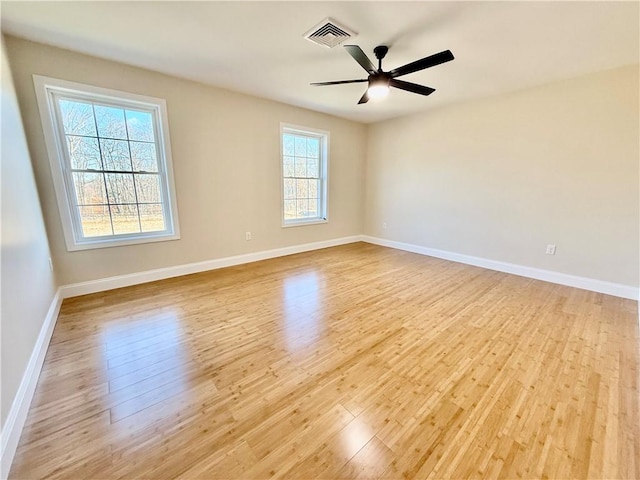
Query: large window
304, 175
111, 164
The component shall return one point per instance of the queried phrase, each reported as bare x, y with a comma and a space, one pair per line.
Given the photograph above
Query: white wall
27, 284
500, 178
226, 164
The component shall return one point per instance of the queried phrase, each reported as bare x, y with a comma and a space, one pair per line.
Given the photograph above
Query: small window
304, 175
111, 164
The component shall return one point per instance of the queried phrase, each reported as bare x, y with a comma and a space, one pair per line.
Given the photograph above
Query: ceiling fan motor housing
379, 78
380, 51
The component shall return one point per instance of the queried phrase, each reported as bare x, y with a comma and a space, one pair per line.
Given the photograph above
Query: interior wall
27, 285
500, 178
226, 164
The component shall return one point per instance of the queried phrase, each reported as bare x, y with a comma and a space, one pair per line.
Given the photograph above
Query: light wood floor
350, 362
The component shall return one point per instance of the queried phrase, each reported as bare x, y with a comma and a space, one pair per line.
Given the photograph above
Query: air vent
329, 33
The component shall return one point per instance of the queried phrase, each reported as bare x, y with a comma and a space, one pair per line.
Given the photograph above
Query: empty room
333, 240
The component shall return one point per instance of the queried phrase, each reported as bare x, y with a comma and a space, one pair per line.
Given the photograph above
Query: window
304, 175
111, 164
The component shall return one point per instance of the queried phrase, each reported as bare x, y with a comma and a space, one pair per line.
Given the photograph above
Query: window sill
301, 223
107, 243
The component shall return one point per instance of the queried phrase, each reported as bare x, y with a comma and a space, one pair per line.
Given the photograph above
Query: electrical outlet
384, 225
50, 264
551, 250
247, 236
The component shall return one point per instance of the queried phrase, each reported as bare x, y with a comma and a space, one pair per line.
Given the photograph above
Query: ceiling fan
380, 81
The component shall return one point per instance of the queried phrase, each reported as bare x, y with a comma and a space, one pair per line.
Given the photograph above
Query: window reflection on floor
146, 362
303, 315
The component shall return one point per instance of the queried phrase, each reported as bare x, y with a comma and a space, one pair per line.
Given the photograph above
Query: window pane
302, 207
125, 219
148, 188
120, 188
289, 188
143, 156
96, 221
77, 117
139, 125
110, 122
300, 167
313, 168
313, 208
302, 189
151, 218
288, 143
301, 146
115, 154
89, 188
313, 147
289, 209
313, 188
84, 153
288, 167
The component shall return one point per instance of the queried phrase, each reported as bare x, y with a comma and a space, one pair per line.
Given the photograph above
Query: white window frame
323, 207
46, 90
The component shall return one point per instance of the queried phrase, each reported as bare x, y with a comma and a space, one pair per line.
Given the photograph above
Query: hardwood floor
350, 362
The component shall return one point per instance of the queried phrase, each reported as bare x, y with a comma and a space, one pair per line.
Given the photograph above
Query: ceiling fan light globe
378, 91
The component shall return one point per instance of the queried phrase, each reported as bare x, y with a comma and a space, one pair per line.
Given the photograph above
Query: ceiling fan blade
359, 56
423, 63
411, 87
339, 82
365, 97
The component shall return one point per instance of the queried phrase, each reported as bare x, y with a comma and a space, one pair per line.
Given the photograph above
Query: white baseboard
20, 407
109, 283
609, 288
119, 281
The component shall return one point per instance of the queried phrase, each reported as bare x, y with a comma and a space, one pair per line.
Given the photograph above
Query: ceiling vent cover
329, 33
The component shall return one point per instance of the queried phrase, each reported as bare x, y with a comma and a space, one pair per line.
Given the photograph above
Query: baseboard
609, 288
110, 283
22, 401
101, 285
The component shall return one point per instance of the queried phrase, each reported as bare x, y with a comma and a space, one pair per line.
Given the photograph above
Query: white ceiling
258, 47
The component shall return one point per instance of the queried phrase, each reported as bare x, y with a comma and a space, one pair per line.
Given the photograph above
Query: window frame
323, 206
47, 89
